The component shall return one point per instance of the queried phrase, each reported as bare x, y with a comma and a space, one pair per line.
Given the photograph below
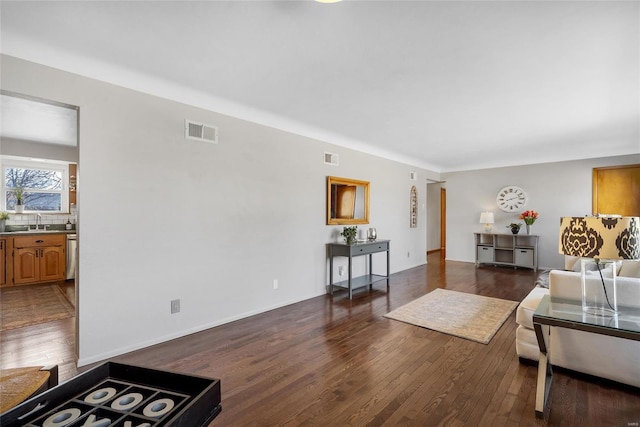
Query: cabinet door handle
37, 252
41, 252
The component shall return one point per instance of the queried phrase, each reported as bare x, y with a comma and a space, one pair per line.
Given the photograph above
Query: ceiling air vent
331, 159
200, 132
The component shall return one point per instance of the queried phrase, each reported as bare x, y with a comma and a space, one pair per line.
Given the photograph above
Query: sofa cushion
524, 314
592, 266
570, 262
630, 269
565, 284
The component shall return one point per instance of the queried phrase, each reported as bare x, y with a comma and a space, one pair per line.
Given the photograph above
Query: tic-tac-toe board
118, 395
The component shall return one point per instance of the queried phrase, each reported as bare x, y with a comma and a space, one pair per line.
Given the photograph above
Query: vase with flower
18, 193
529, 217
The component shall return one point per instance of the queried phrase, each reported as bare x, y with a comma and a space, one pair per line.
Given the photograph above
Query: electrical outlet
275, 283
175, 306
341, 270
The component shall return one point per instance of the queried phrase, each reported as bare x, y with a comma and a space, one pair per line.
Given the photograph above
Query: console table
517, 250
565, 313
350, 251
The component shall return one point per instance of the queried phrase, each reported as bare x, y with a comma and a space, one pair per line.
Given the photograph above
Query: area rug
32, 304
469, 316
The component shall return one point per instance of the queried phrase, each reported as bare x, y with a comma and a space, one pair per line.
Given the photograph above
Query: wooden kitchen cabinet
39, 258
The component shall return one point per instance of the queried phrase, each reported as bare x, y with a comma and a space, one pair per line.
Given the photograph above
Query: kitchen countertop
32, 232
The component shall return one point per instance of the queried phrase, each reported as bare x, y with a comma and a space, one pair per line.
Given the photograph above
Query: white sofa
613, 358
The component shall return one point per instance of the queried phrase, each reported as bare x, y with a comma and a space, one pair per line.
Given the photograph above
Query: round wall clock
511, 198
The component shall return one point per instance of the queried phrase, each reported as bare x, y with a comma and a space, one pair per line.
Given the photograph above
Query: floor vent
331, 159
200, 132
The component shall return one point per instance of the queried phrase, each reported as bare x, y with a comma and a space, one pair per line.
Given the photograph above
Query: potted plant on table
349, 234
515, 227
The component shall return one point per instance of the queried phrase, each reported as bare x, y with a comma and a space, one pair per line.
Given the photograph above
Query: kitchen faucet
38, 220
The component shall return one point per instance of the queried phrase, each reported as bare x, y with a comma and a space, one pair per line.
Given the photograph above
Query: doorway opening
39, 156
436, 218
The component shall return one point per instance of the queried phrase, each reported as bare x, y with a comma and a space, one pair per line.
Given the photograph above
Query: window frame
7, 162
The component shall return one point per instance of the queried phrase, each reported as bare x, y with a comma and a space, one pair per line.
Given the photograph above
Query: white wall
554, 190
15, 147
161, 217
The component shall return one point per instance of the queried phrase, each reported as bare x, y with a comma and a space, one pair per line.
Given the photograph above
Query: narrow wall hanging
413, 208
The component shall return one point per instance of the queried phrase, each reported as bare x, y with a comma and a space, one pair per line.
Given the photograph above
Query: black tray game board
119, 395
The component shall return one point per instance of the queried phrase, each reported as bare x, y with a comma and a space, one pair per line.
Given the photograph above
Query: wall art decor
413, 208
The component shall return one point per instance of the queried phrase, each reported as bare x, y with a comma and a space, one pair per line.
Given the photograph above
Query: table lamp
486, 218
600, 241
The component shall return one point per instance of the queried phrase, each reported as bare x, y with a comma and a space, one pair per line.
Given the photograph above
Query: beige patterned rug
469, 316
32, 304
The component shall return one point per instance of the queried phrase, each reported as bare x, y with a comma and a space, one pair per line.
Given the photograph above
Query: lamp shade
600, 237
486, 218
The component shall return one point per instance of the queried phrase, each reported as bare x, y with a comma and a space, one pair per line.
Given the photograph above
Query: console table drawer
369, 248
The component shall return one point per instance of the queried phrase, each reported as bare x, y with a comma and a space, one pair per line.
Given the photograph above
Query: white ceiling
443, 85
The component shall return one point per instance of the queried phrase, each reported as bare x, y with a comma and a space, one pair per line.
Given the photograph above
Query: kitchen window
44, 184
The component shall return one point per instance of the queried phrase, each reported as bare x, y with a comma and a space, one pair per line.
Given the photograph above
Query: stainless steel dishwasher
71, 256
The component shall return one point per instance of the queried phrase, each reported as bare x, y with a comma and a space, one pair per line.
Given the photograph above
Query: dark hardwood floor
338, 362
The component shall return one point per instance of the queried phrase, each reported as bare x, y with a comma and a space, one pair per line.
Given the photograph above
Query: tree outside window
43, 187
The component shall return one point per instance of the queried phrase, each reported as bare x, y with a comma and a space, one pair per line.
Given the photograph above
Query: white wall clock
511, 198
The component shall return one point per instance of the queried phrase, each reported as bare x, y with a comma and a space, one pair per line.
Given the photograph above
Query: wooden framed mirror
347, 201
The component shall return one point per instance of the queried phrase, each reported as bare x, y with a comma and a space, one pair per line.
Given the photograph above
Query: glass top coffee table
568, 314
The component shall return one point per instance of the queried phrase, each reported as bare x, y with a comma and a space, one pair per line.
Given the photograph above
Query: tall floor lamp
600, 242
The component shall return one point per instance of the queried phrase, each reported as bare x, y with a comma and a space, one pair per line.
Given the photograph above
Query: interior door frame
443, 223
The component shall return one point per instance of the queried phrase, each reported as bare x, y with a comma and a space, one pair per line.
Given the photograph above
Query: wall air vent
331, 159
200, 132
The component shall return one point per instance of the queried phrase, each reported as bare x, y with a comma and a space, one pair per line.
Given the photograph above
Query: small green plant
515, 227
4, 215
19, 193
349, 233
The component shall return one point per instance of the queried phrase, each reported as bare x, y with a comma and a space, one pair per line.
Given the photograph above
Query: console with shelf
351, 251
517, 250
